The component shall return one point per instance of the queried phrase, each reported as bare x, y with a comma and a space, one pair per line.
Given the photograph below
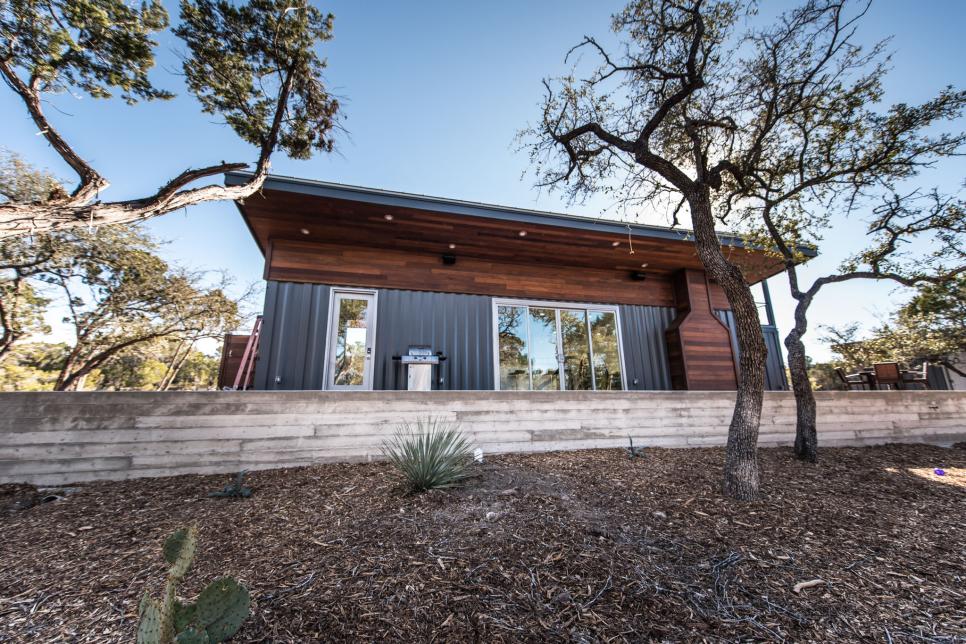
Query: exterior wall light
388, 217
304, 231
522, 233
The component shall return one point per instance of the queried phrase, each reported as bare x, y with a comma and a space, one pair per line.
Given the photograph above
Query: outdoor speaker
449, 259
639, 276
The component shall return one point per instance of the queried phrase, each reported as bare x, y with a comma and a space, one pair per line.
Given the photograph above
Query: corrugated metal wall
292, 351
458, 325
292, 348
645, 349
775, 379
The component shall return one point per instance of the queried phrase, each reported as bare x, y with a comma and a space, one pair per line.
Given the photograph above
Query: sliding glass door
544, 347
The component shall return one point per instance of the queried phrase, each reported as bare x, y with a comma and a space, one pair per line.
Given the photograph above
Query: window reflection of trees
350, 356
514, 361
544, 365
606, 348
528, 348
576, 350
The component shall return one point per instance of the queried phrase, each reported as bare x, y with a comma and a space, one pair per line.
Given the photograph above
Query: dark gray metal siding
292, 346
645, 349
458, 325
775, 379
292, 351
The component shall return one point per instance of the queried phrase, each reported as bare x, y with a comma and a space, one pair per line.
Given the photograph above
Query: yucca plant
430, 453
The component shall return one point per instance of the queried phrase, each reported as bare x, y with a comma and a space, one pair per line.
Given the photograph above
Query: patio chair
887, 374
920, 378
851, 381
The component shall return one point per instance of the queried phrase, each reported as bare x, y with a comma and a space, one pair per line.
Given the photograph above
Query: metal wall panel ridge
292, 349
458, 325
645, 349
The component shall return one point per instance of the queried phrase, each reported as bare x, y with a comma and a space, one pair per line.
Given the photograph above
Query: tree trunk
806, 435
741, 476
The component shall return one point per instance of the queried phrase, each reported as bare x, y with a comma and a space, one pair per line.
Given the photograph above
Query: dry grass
578, 546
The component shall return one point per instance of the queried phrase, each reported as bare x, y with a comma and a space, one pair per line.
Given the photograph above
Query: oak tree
254, 64
835, 151
693, 111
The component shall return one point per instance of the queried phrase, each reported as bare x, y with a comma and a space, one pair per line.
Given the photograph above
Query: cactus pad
183, 614
192, 635
222, 607
179, 550
149, 626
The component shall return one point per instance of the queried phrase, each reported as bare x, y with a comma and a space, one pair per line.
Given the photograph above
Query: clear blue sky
434, 93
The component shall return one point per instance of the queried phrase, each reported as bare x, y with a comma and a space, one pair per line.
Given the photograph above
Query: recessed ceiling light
644, 265
452, 246
388, 217
615, 244
522, 233
305, 231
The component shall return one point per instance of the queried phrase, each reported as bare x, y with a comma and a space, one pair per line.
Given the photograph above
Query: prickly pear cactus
183, 615
215, 616
149, 625
179, 551
222, 607
192, 635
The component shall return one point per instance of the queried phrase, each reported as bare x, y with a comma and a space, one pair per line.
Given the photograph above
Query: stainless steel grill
419, 362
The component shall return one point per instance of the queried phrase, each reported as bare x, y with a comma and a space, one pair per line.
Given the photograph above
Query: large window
548, 347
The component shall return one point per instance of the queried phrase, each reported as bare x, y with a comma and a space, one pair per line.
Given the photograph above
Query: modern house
371, 289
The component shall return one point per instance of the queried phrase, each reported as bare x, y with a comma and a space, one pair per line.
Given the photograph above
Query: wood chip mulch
575, 546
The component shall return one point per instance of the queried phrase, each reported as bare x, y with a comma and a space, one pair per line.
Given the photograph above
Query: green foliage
95, 46
32, 366
431, 454
236, 489
119, 296
823, 377
237, 51
216, 615
22, 183
929, 327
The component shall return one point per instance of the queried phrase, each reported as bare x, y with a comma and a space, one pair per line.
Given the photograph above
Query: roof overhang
291, 208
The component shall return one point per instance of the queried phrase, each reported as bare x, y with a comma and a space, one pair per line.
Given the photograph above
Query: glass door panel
544, 361
576, 350
350, 364
607, 359
514, 361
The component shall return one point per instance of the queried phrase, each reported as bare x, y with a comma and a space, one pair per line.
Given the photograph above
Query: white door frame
332, 322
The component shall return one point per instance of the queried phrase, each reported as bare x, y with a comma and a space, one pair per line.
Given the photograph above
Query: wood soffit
283, 215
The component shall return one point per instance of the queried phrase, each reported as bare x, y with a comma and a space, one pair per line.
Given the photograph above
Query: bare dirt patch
576, 546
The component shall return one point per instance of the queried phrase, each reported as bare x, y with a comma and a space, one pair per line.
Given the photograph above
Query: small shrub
430, 453
234, 490
215, 616
634, 452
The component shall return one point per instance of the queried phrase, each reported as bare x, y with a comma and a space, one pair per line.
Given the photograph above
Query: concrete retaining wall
57, 438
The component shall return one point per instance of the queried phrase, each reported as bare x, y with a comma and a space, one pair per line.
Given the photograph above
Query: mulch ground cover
567, 546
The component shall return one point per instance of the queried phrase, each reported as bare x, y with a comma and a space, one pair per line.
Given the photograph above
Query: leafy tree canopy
253, 63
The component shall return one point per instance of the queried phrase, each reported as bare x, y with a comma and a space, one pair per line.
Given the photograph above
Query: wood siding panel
232, 352
342, 265
283, 215
699, 345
